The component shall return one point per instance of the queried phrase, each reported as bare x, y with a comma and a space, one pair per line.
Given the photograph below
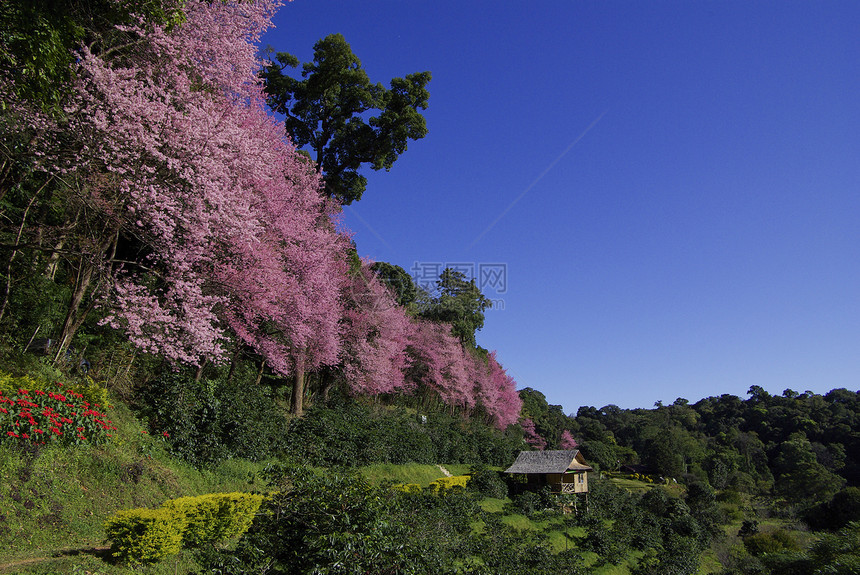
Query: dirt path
10, 566
443, 470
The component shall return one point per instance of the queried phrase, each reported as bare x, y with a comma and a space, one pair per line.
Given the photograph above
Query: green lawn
418, 473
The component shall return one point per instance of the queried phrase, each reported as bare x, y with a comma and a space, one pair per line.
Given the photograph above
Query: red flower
25, 436
38, 431
11, 434
165, 434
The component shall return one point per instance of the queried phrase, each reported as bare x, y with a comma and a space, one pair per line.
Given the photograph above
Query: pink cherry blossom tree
238, 238
567, 440
530, 434
437, 363
497, 392
376, 332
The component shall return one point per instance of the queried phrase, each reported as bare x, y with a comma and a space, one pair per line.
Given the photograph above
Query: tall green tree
397, 280
459, 302
346, 120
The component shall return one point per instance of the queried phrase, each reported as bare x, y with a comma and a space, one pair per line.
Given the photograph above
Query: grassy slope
54, 501
418, 473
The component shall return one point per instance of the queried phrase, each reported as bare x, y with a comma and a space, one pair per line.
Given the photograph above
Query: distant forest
797, 448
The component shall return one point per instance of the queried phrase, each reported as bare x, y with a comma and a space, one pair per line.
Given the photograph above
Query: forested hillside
183, 313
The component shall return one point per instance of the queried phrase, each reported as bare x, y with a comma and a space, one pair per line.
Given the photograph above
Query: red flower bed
52, 416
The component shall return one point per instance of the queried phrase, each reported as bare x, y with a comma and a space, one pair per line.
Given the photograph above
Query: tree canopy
459, 302
346, 120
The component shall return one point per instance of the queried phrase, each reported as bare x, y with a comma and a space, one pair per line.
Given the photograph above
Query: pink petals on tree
209, 228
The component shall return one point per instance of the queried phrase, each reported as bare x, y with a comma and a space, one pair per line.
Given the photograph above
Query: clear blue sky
672, 187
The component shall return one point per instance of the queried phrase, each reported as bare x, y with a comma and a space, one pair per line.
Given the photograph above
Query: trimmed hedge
411, 488
445, 483
215, 517
147, 535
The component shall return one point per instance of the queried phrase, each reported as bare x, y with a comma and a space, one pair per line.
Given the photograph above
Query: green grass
54, 500
519, 522
493, 505
632, 484
418, 473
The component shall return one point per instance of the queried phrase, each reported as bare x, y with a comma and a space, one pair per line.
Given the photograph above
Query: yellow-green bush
145, 535
214, 517
408, 487
444, 483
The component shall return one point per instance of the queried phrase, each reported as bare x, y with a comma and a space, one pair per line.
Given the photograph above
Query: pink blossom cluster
169, 140
531, 436
240, 237
385, 351
567, 440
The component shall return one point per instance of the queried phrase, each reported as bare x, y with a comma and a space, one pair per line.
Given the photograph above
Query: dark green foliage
838, 512
487, 482
530, 502
503, 552
328, 111
550, 420
656, 523
600, 454
353, 434
335, 523
833, 554
210, 420
397, 280
37, 38
767, 542
459, 302
322, 523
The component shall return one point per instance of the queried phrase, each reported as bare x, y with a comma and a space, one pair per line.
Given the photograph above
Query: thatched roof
553, 461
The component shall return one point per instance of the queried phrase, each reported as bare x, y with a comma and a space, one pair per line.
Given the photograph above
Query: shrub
411, 488
56, 414
530, 502
145, 535
763, 543
215, 517
487, 482
445, 483
90, 392
211, 420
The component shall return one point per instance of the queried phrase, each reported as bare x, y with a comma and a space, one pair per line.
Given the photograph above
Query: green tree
460, 303
398, 281
800, 478
331, 111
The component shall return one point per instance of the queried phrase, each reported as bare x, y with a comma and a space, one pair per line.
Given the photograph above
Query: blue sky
672, 188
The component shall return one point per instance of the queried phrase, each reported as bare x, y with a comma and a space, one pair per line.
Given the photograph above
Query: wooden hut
563, 471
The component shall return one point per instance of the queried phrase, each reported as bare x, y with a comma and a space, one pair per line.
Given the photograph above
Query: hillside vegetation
181, 313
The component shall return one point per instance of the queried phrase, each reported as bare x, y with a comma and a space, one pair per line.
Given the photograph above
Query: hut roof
553, 461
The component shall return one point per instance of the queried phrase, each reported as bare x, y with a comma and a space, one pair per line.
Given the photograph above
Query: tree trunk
199, 374
75, 316
260, 372
54, 261
298, 385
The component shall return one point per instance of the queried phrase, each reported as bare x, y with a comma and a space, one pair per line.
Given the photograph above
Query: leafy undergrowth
54, 499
